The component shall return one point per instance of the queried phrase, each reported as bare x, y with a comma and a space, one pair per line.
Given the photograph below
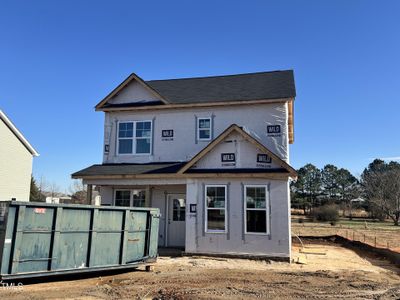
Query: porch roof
129, 169
157, 170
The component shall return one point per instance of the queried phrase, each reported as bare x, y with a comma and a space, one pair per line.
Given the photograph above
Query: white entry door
176, 220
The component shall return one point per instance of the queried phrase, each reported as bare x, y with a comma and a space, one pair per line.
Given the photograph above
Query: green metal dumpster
40, 239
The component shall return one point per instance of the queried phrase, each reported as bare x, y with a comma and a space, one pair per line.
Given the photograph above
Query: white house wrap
212, 153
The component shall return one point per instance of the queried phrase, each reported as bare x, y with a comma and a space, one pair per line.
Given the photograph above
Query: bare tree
43, 187
381, 183
78, 192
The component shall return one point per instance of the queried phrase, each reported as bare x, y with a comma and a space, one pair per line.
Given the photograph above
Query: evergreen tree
35, 194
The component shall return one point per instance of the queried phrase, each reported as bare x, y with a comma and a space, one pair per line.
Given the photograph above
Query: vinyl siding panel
15, 167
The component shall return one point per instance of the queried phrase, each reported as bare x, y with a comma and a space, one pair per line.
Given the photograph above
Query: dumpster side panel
136, 235
8, 238
107, 242
34, 249
153, 248
73, 243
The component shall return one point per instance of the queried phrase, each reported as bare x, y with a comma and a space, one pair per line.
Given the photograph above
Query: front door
176, 220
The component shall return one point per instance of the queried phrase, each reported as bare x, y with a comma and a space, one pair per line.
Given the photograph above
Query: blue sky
59, 58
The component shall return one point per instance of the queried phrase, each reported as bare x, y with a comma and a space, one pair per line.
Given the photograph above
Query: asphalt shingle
241, 87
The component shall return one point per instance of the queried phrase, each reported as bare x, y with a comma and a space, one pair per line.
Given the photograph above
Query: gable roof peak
127, 81
247, 137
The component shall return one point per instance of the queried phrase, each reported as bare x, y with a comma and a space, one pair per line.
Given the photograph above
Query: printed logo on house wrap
167, 135
264, 161
228, 159
273, 130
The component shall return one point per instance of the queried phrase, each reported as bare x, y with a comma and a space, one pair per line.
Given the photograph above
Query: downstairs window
215, 212
256, 209
135, 198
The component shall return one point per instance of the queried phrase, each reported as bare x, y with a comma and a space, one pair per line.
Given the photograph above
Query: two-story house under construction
211, 152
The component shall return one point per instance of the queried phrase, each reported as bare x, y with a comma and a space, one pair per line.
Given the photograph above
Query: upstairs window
204, 129
256, 209
135, 137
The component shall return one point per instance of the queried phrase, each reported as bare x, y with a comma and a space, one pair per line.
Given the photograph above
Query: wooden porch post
89, 194
147, 196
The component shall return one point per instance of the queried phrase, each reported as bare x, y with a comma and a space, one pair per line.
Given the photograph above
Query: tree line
377, 190
40, 189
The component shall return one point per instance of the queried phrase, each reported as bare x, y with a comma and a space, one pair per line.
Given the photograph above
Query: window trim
266, 209
134, 138
198, 128
206, 208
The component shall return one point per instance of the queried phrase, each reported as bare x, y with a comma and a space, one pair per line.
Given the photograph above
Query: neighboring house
60, 199
212, 153
15, 162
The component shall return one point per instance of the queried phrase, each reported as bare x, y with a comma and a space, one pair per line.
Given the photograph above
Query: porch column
89, 194
147, 198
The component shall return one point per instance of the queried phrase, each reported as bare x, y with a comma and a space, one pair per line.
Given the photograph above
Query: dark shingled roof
241, 87
130, 169
160, 168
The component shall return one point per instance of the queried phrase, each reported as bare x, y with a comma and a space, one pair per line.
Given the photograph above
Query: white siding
15, 166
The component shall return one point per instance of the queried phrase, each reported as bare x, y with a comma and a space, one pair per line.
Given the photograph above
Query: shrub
326, 213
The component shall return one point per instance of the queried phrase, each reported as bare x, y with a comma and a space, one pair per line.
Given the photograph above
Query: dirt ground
384, 238
341, 273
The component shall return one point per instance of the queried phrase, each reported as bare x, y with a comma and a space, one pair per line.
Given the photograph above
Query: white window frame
266, 209
134, 138
130, 196
198, 129
215, 208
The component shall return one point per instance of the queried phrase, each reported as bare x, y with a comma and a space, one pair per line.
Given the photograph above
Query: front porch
170, 199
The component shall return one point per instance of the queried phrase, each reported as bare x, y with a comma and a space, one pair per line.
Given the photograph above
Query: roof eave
276, 176
18, 134
191, 105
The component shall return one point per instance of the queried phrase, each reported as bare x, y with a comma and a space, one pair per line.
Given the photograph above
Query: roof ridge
219, 76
